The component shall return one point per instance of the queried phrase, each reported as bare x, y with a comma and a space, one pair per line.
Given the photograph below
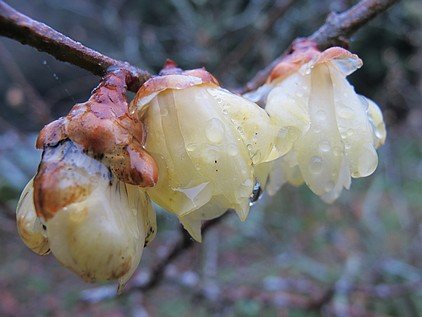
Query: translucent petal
102, 237
206, 142
354, 127
99, 235
318, 163
377, 122
29, 225
218, 149
251, 121
287, 105
178, 174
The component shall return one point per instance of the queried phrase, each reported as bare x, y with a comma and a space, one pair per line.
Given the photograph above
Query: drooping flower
327, 133
86, 195
206, 142
95, 225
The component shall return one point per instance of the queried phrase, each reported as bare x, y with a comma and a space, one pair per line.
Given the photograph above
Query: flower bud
206, 142
96, 221
31, 230
96, 225
327, 133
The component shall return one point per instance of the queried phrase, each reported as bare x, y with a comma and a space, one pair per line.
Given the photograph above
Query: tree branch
19, 27
336, 31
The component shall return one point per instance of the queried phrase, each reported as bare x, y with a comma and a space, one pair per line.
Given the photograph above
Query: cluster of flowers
90, 200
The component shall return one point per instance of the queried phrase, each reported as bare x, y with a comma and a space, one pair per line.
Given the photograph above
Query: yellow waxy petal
327, 133
30, 228
207, 142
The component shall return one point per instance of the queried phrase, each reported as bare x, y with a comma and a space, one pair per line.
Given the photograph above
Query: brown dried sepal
61, 180
305, 51
104, 128
171, 77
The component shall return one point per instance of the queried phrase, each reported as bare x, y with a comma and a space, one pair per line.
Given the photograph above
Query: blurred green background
363, 252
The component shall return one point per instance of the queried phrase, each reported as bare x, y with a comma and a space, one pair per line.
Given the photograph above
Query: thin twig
184, 243
241, 50
18, 26
336, 31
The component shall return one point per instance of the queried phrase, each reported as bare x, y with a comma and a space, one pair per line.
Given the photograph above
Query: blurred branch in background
336, 31
276, 12
19, 27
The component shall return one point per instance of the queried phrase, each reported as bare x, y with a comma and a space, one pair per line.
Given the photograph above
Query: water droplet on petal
249, 146
346, 112
324, 146
211, 154
337, 151
191, 147
232, 149
315, 164
256, 194
164, 112
215, 130
320, 115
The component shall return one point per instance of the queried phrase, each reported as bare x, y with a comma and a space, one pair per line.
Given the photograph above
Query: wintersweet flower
206, 142
94, 224
327, 132
85, 202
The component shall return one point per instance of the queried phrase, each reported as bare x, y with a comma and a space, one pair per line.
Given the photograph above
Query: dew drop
249, 146
378, 132
211, 154
337, 151
346, 112
282, 133
256, 194
320, 115
215, 130
232, 149
225, 111
191, 147
164, 112
240, 130
44, 62
324, 146
315, 164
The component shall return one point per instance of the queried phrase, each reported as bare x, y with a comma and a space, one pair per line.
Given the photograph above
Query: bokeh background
363, 253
